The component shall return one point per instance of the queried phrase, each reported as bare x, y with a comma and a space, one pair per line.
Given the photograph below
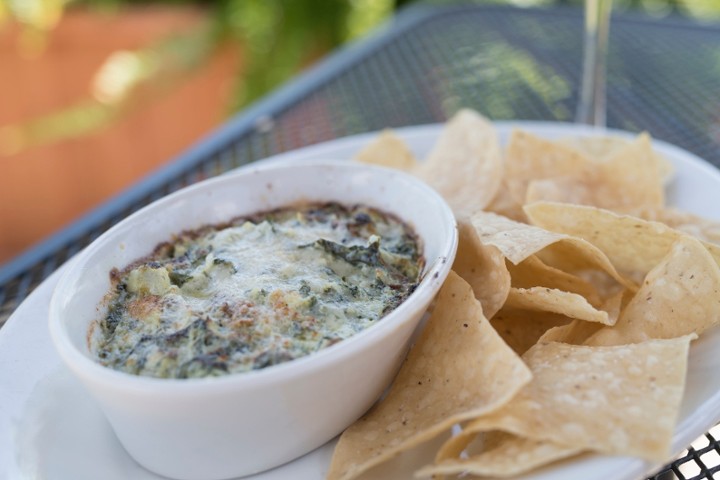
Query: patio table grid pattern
510, 64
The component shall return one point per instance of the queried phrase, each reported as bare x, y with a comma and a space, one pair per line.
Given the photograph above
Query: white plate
51, 430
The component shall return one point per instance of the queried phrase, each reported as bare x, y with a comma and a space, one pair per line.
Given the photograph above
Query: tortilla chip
458, 369
504, 203
402, 465
532, 272
529, 157
595, 147
599, 148
699, 227
680, 296
556, 301
578, 331
574, 333
602, 306
517, 241
632, 244
629, 178
521, 329
621, 400
465, 166
614, 304
502, 455
483, 267
577, 189
387, 150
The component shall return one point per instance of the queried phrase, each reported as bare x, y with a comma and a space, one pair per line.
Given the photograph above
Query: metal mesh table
664, 77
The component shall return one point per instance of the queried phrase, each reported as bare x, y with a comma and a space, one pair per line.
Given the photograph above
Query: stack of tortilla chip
566, 324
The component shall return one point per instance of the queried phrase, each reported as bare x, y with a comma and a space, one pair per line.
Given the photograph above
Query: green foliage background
278, 38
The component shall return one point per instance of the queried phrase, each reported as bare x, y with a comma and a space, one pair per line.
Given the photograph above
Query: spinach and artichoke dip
256, 292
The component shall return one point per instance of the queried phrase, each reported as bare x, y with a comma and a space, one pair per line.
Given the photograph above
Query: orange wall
44, 188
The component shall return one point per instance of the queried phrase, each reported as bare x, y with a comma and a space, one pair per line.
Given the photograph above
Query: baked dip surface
256, 292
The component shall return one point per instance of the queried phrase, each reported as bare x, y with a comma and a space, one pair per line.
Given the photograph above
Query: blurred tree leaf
277, 38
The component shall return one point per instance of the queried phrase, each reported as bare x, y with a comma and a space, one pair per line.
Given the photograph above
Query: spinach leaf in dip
256, 292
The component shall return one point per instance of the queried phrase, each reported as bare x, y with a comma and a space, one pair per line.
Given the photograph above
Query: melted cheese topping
258, 292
